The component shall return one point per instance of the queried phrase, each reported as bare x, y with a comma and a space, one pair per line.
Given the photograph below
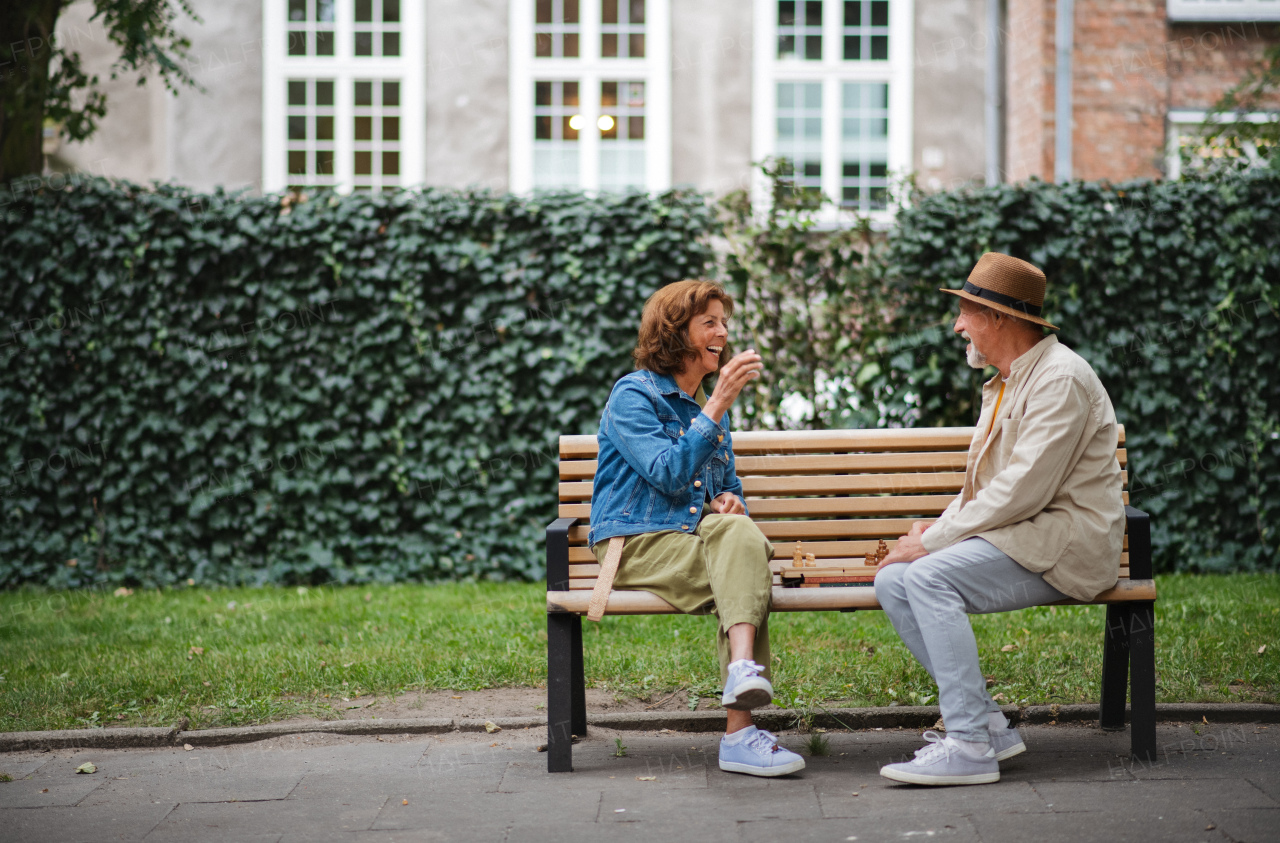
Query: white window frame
344, 68
1180, 118
832, 71
1223, 10
589, 69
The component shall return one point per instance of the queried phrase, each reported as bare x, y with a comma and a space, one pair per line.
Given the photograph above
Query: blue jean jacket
660, 458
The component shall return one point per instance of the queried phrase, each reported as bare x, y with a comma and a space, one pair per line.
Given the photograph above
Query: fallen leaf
939, 725
1205, 719
208, 684
46, 790
998, 697
87, 767
646, 778
491, 727
188, 747
196, 651
457, 698
495, 743
542, 747
1210, 827
122, 592
1262, 649
404, 801
1007, 647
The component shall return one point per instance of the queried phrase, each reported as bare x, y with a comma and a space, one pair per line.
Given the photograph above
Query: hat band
1001, 298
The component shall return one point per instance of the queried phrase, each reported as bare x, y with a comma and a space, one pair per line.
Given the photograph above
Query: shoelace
751, 667
937, 744
763, 740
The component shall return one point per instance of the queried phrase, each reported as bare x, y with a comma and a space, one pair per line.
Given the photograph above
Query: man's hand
727, 503
909, 547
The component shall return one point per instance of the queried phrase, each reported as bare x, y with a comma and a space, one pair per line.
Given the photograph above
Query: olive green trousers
721, 569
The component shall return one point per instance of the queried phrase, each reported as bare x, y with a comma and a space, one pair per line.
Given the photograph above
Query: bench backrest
839, 492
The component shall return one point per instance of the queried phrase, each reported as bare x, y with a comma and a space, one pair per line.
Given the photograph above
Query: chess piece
797, 557
871, 560
810, 560
882, 550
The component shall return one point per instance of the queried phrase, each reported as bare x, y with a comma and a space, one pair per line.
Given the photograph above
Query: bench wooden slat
823, 464
922, 505
801, 599
590, 570
796, 442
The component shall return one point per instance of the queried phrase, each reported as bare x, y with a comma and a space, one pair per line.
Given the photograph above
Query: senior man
1040, 518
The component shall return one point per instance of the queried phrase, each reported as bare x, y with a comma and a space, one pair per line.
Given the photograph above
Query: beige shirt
1045, 487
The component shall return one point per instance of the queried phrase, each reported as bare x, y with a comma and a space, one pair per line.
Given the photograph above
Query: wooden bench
840, 492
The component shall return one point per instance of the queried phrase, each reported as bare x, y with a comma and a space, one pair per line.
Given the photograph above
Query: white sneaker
746, 688
1006, 742
757, 753
945, 761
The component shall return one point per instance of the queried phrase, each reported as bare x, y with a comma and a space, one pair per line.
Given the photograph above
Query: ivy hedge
230, 389
1170, 289
238, 390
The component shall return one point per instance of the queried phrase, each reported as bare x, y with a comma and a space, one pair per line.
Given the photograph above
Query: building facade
523, 95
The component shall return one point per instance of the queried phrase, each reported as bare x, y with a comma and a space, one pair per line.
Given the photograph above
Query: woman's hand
727, 503
734, 375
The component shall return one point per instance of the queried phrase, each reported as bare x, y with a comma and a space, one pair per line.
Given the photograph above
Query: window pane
786, 46
786, 13
543, 13
542, 127
813, 13
364, 128
813, 47
637, 45
609, 11
324, 11
390, 93
363, 163
635, 127
297, 127
364, 43
391, 128
297, 43
297, 162
391, 43
799, 131
637, 11
571, 45
609, 45
864, 145
542, 93
866, 30
297, 92
364, 11
324, 43
324, 127
390, 11
800, 29
297, 10
364, 93
324, 162
569, 126
570, 93
324, 93
570, 11
391, 163
542, 45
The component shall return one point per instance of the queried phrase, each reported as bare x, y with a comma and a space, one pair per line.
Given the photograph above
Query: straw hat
1006, 284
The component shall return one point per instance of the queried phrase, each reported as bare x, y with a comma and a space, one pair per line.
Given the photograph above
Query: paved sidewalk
1073, 783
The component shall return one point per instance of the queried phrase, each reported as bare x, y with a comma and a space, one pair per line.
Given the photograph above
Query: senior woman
666, 483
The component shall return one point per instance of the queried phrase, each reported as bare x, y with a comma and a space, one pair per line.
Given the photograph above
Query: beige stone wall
951, 45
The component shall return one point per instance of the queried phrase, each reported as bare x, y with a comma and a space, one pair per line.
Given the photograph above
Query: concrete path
1212, 783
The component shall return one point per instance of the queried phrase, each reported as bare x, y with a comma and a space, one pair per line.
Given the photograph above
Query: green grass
75, 659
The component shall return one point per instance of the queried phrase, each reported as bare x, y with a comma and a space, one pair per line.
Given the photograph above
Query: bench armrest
1139, 544
558, 553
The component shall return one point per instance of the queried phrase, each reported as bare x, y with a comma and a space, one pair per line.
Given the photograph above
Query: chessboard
806, 572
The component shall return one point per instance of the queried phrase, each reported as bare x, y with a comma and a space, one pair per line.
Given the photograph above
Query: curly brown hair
663, 345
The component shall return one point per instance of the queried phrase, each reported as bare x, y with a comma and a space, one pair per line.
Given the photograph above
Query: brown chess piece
882, 550
871, 560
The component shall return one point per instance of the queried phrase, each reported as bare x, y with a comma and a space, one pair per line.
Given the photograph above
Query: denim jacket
660, 458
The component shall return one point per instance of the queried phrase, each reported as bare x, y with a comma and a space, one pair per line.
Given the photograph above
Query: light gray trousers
928, 602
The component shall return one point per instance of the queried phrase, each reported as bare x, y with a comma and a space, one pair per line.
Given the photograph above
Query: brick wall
1130, 66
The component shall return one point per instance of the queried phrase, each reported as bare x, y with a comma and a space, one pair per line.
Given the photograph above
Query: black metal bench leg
560, 648
1115, 666
1142, 695
579, 679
